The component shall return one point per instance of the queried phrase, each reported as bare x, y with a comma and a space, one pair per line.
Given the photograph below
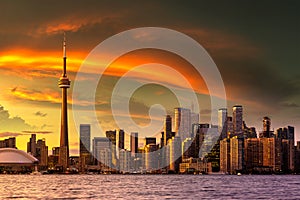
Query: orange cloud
29, 64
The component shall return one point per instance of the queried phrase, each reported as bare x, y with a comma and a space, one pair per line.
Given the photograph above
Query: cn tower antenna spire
64, 47
64, 57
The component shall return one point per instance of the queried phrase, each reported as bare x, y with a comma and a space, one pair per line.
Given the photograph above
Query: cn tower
64, 84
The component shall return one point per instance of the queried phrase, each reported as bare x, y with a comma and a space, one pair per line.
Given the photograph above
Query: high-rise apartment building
183, 123
222, 122
134, 142
237, 119
167, 129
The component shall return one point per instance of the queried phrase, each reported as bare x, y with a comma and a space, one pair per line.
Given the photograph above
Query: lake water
149, 187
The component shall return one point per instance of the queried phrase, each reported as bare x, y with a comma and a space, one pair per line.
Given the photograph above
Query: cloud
7, 122
35, 95
37, 132
290, 105
39, 113
9, 134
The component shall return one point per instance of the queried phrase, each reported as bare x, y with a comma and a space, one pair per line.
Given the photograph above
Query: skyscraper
85, 139
31, 145
42, 153
102, 150
120, 139
64, 84
222, 122
85, 146
183, 124
237, 120
134, 142
167, 129
266, 128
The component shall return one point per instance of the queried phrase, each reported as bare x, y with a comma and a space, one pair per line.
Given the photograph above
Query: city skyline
256, 72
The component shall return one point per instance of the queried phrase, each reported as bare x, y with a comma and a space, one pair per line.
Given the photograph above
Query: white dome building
14, 160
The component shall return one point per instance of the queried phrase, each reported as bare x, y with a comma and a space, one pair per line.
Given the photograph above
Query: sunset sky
255, 46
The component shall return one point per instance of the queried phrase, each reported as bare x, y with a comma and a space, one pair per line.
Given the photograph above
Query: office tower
42, 153
64, 84
167, 129
252, 155
183, 124
297, 158
250, 132
237, 120
102, 152
229, 126
8, 143
236, 155
225, 155
198, 134
31, 145
150, 140
266, 127
120, 139
111, 135
195, 119
151, 157
222, 122
84, 146
134, 142
85, 139
187, 149
263, 155
175, 153
286, 135
125, 161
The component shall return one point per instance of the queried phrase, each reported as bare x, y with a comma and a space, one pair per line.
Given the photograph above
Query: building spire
64, 46
64, 57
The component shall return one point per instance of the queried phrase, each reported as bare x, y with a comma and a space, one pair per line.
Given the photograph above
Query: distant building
150, 140
102, 152
195, 166
287, 138
183, 123
31, 145
125, 161
266, 133
85, 157
231, 155
263, 155
8, 143
151, 157
38, 149
85, 139
236, 155
229, 125
222, 122
237, 118
42, 153
297, 158
174, 153
134, 142
225, 155
167, 130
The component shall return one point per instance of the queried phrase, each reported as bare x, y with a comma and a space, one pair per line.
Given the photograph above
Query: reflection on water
149, 187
